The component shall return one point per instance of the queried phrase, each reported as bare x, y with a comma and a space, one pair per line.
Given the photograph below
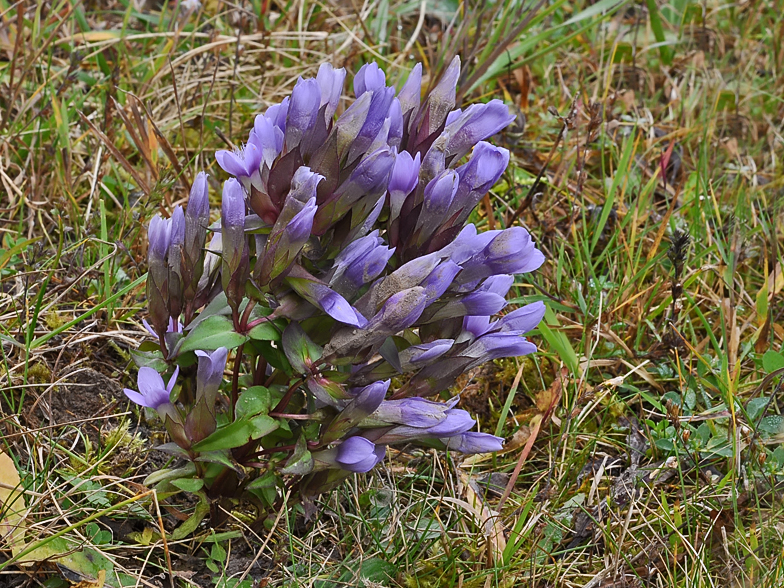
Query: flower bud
478, 122
235, 262
330, 81
474, 443
303, 108
368, 79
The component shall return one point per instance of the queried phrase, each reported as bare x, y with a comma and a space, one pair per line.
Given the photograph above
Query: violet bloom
439, 280
235, 266
303, 108
411, 92
366, 401
400, 311
369, 78
360, 263
477, 122
330, 81
152, 391
210, 374
322, 296
496, 345
523, 319
456, 421
512, 251
472, 442
483, 170
359, 455
159, 236
402, 181
197, 218
174, 327
243, 163
277, 113
418, 355
413, 412
267, 138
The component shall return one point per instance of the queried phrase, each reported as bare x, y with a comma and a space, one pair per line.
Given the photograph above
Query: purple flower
350, 123
475, 303
303, 108
403, 180
368, 79
413, 412
395, 124
235, 266
483, 169
476, 325
510, 252
440, 191
365, 402
456, 421
523, 319
474, 443
197, 217
210, 374
360, 262
322, 296
496, 345
174, 327
152, 391
292, 228
359, 455
267, 138
243, 163
158, 296
366, 183
425, 352
277, 113
375, 126
477, 122
438, 196
330, 81
400, 311
410, 94
439, 280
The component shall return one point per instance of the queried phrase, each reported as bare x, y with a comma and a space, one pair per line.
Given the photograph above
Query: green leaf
255, 400
152, 359
266, 331
188, 484
772, 424
169, 474
301, 461
216, 331
190, 525
755, 407
232, 435
772, 361
262, 425
299, 349
87, 562
221, 458
265, 487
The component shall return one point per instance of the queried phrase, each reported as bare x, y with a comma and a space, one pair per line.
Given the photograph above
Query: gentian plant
343, 286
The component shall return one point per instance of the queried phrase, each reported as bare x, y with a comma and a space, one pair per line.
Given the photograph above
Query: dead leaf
488, 520
90, 583
12, 506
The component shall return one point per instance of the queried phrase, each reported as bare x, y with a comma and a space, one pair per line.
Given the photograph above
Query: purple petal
369, 78
474, 443
523, 319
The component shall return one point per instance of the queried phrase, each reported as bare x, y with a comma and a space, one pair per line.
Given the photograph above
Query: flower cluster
342, 261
